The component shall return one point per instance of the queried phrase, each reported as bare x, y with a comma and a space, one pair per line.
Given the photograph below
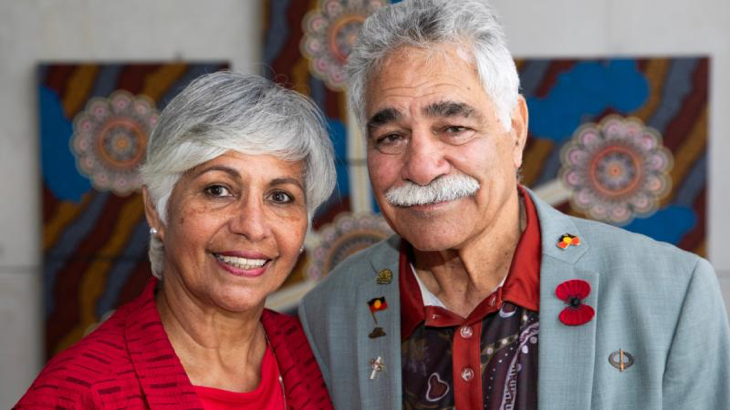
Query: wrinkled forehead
436, 82
425, 53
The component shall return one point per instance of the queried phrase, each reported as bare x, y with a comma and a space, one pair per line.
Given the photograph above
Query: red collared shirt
445, 355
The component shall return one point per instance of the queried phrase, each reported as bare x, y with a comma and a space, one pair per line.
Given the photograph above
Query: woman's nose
249, 219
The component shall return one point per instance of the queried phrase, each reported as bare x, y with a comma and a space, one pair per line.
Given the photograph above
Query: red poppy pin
573, 293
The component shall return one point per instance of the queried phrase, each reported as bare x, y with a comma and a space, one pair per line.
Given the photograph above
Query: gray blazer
660, 304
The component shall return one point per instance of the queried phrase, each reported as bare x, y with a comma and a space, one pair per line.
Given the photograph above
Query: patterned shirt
486, 360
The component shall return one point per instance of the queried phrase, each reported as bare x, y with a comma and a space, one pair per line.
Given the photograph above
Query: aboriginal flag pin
377, 305
567, 240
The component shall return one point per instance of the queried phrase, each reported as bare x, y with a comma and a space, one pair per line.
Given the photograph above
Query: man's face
429, 119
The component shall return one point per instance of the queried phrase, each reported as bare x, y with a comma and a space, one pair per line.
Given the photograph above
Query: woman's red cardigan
128, 362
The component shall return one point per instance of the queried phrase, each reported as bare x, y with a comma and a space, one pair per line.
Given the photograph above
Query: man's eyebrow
384, 116
450, 109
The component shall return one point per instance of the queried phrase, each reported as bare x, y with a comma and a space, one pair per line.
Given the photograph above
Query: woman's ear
153, 218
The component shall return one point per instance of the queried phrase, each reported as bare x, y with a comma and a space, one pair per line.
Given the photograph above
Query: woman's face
235, 227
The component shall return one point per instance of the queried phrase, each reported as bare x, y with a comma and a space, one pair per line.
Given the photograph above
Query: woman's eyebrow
286, 180
228, 170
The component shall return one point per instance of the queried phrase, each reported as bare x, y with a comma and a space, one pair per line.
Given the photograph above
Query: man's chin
432, 238
423, 244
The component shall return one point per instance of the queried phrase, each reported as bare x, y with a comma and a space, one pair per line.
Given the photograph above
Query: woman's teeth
241, 263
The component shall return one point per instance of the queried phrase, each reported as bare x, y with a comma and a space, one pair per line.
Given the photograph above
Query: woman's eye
217, 191
281, 197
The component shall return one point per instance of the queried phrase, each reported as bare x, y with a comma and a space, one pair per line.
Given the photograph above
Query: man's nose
425, 159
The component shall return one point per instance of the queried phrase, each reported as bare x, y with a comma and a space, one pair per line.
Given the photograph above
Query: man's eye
217, 191
391, 143
281, 197
457, 134
456, 129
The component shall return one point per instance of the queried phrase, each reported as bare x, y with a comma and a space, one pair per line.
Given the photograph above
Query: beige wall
54, 30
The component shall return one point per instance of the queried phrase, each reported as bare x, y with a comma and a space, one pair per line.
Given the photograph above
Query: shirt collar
521, 286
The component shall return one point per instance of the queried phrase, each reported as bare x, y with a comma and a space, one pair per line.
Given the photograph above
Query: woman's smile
248, 266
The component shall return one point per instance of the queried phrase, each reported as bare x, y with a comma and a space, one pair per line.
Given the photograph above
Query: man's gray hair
229, 111
470, 24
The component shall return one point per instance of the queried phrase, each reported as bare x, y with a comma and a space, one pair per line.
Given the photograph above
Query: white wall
52, 30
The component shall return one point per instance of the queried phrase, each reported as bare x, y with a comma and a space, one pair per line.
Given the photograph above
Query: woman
235, 169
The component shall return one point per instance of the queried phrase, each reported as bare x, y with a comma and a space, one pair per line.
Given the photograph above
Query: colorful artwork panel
94, 124
623, 141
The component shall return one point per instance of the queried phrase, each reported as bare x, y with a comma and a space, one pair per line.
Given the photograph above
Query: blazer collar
566, 353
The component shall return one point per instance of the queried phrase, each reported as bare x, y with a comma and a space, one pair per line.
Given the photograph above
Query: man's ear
519, 129
153, 218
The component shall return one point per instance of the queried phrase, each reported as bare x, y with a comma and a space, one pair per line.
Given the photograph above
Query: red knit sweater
128, 362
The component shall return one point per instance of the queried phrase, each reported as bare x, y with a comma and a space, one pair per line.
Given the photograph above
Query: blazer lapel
383, 390
161, 375
566, 353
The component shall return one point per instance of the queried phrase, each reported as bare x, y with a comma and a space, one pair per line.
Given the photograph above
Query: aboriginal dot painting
622, 141
619, 140
94, 124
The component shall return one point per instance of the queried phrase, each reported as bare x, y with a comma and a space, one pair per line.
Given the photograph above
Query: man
487, 297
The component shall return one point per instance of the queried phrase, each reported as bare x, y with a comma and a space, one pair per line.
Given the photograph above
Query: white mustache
442, 189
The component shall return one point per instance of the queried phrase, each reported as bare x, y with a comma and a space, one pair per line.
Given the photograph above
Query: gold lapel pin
385, 276
621, 360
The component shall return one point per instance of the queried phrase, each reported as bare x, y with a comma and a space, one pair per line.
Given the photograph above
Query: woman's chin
240, 301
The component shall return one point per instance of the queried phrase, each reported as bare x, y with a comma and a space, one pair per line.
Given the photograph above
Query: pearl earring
153, 231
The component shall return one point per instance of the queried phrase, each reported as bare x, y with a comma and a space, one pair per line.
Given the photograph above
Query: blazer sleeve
696, 374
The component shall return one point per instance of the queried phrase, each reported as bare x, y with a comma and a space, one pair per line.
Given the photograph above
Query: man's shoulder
621, 254
359, 266
610, 239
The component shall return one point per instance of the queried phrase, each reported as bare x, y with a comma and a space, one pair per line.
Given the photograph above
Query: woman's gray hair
470, 24
230, 111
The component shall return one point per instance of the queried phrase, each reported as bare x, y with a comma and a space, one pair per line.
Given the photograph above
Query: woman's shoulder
98, 363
